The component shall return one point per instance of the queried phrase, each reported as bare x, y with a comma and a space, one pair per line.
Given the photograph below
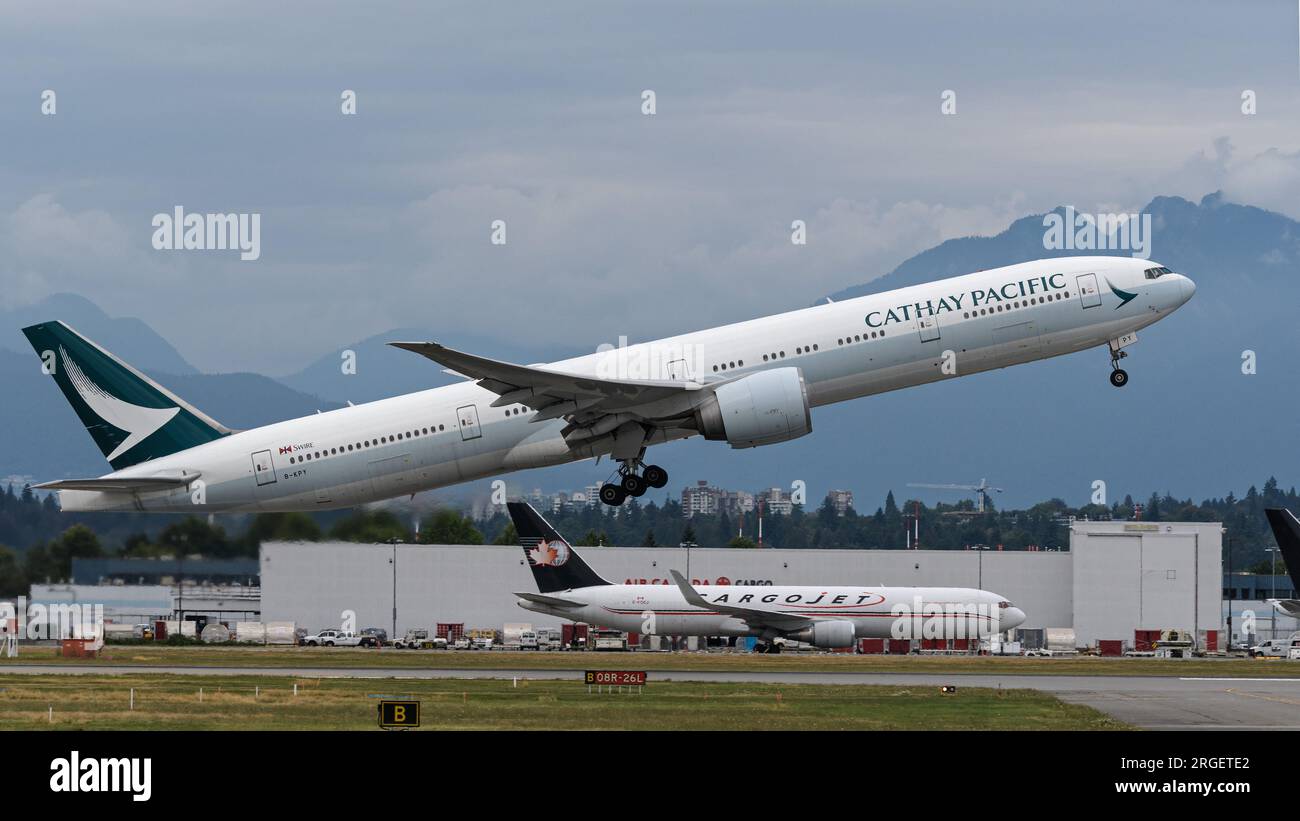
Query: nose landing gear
1118, 376
631, 482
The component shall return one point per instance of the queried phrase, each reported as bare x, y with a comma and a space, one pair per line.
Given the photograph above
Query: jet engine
827, 634
760, 409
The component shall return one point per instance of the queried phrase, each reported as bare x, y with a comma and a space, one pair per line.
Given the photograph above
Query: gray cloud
617, 223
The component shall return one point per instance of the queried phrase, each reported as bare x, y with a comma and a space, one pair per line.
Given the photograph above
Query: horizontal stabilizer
552, 601
125, 484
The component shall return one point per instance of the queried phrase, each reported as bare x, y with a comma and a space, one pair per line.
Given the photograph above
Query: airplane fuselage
875, 612
845, 350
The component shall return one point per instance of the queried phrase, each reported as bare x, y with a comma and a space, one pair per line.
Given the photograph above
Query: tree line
38, 542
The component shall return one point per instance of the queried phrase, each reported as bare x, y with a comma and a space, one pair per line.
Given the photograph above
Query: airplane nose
1012, 617
1186, 287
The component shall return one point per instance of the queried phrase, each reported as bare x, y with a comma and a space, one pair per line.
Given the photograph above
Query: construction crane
981, 490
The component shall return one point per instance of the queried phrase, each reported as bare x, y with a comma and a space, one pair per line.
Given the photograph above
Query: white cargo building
1117, 578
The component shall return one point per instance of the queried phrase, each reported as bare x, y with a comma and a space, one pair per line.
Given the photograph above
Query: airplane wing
584, 400
1287, 607
553, 601
753, 616
124, 484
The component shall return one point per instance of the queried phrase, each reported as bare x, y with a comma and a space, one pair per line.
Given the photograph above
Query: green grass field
172, 702
305, 657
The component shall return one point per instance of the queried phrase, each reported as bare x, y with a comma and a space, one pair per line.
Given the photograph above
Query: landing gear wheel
1119, 377
655, 476
612, 494
632, 484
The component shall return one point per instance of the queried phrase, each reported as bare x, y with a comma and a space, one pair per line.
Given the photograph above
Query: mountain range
1190, 422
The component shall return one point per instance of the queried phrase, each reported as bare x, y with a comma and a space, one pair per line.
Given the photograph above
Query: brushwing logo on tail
139, 423
549, 554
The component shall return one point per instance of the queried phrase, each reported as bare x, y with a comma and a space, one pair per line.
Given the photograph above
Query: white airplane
749, 384
830, 616
1286, 530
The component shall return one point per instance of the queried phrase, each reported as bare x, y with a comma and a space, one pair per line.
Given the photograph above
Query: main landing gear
632, 483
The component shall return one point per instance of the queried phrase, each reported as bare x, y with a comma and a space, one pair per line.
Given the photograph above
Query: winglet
690, 593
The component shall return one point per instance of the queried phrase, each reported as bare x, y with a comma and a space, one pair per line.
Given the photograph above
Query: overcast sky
616, 222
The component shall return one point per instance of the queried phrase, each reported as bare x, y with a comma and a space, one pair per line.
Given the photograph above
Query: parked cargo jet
830, 616
748, 384
1286, 530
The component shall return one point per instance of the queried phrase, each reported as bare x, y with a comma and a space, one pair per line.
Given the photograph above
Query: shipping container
1030, 638
450, 630
1144, 641
1210, 641
282, 632
1110, 647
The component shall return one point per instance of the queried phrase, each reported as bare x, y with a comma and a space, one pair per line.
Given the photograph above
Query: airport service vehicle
828, 616
1286, 531
748, 384
604, 639
340, 638
463, 643
415, 639
377, 632
528, 641
1274, 648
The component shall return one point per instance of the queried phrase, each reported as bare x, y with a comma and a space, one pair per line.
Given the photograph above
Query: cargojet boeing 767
748, 384
830, 616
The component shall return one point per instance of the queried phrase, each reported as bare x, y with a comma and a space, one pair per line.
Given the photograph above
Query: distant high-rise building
776, 502
699, 500
841, 500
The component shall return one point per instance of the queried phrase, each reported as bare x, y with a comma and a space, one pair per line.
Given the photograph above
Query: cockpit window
1004, 604
1153, 273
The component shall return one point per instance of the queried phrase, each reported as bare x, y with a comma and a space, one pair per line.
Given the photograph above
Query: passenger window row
314, 455
1019, 303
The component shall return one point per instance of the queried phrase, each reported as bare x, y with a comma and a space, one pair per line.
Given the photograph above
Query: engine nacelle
827, 634
761, 409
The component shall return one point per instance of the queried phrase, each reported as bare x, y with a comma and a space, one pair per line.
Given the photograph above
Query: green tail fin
132, 418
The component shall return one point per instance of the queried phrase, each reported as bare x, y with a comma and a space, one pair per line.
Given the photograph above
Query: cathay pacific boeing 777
749, 384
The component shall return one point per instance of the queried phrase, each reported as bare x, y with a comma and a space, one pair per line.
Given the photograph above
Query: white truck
1276, 648
528, 640
340, 638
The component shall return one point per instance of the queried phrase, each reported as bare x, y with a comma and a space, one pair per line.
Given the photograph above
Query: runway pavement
1153, 702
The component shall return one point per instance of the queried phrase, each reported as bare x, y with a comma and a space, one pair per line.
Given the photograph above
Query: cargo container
871, 646
282, 632
250, 632
1110, 647
574, 636
451, 631
1060, 640
1144, 641
1030, 638
900, 647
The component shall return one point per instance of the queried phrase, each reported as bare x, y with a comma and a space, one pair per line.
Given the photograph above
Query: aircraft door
263, 468
467, 417
678, 370
1089, 295
928, 326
